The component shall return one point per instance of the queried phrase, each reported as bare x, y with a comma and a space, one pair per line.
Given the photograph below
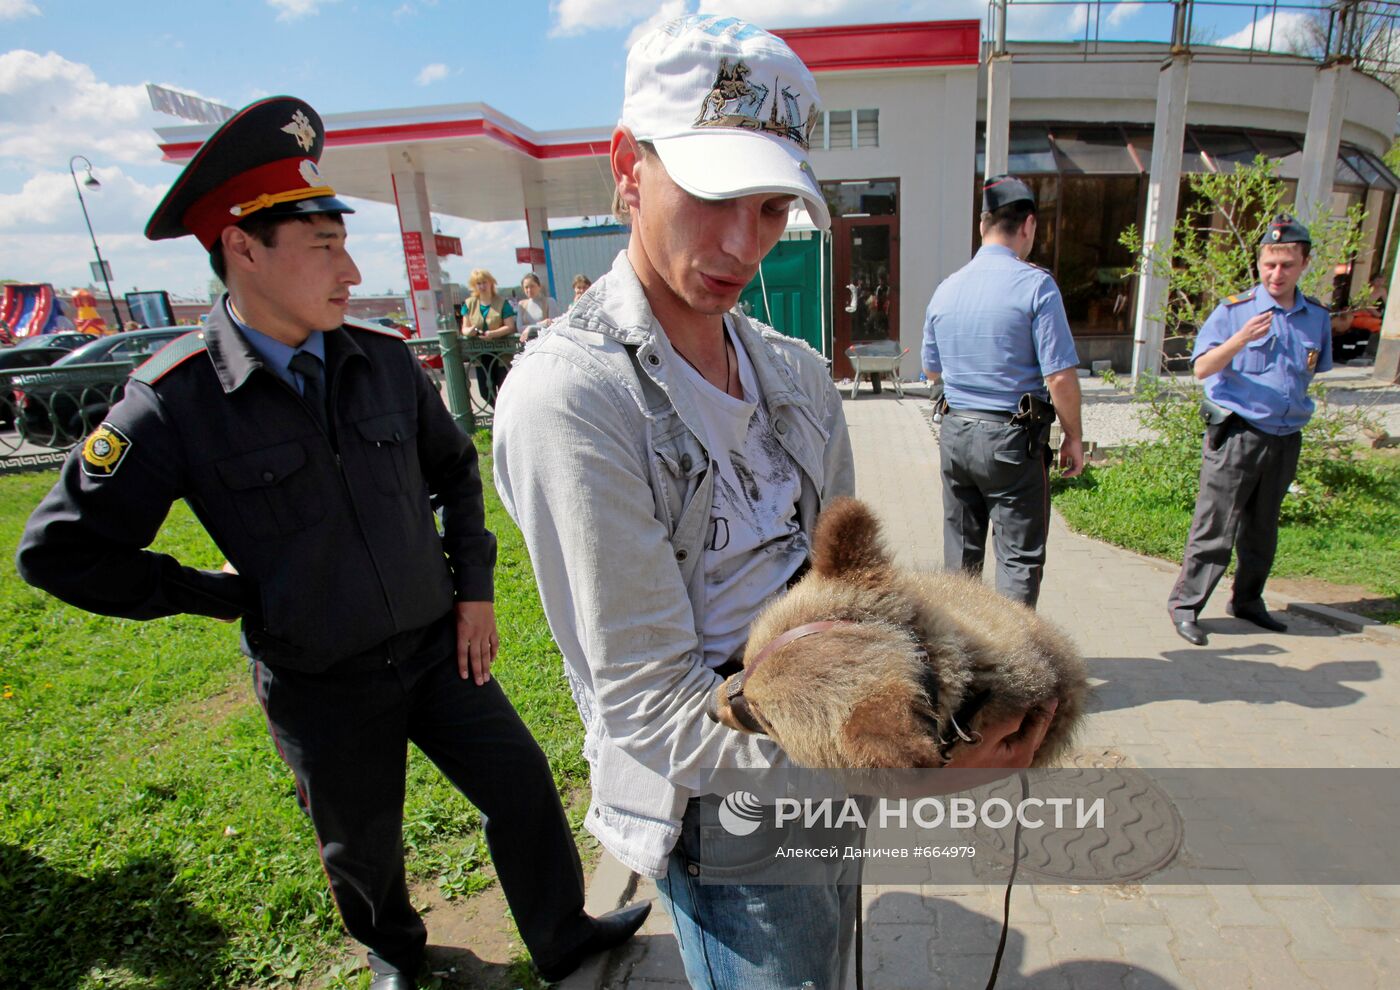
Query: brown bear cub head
865, 665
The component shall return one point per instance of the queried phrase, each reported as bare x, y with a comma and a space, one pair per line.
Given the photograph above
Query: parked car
38, 351
41, 350
55, 413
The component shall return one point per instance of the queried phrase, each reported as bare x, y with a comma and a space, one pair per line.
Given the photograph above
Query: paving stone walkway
1312, 697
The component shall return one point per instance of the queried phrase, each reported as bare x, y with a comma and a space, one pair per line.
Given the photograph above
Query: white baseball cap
729, 108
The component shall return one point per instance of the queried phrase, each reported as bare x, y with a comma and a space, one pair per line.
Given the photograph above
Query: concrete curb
612, 886
1343, 620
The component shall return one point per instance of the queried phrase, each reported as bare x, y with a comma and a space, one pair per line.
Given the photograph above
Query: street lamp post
92, 183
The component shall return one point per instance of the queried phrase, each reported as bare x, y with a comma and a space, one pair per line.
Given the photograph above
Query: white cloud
48, 201
51, 108
1122, 12
431, 73
667, 11
579, 16
1283, 32
13, 10
291, 10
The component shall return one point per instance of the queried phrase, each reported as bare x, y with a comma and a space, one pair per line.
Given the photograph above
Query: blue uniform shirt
276, 355
995, 329
1267, 382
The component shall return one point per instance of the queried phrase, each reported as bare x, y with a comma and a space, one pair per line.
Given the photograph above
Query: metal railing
45, 412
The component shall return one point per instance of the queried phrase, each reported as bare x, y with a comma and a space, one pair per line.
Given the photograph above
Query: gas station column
536, 223
420, 256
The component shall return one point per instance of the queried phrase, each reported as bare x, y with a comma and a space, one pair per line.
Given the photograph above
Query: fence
45, 412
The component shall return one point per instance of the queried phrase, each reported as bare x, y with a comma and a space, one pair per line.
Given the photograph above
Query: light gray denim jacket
596, 458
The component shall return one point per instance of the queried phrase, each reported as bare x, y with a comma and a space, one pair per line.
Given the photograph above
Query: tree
1216, 240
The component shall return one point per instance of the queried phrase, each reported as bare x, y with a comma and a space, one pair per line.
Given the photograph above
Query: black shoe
609, 931
1258, 615
1192, 633
392, 981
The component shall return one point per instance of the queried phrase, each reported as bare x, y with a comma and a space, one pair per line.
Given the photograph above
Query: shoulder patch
1039, 268
1243, 297
104, 450
173, 354
358, 324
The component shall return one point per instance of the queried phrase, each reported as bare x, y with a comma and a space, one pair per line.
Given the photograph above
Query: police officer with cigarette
997, 342
1256, 355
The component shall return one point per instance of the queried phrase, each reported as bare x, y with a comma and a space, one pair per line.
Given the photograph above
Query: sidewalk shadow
462, 969
1207, 676
961, 944
56, 925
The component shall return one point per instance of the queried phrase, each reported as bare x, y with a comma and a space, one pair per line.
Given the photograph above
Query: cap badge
310, 173
1276, 234
301, 129
734, 101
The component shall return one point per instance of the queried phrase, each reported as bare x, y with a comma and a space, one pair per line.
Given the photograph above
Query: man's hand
228, 568
477, 641
1071, 456
1006, 745
1255, 328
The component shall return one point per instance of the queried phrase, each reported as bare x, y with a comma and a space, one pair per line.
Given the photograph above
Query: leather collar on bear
734, 694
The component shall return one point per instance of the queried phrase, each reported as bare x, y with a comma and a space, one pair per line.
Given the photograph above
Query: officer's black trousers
1243, 482
345, 736
989, 476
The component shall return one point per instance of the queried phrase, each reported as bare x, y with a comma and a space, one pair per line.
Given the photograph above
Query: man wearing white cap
666, 459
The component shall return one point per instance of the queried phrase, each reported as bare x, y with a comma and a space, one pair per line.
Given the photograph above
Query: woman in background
536, 309
487, 316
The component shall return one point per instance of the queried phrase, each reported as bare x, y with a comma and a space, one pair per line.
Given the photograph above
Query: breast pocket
388, 441
682, 462
1254, 358
272, 491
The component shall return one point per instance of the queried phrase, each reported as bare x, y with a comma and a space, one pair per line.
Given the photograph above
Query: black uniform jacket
333, 536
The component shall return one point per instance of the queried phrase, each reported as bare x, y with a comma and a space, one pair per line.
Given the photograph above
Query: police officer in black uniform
315, 453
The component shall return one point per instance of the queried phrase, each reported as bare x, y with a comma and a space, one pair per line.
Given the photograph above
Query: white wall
927, 135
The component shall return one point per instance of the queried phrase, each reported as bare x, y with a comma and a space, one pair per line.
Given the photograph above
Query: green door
792, 274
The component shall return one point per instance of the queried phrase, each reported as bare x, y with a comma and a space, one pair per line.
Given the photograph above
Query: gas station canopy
478, 163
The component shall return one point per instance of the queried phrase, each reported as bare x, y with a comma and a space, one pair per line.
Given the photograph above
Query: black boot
609, 931
1257, 614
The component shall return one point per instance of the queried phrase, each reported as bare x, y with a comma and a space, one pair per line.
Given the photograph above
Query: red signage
416, 260
444, 245
529, 256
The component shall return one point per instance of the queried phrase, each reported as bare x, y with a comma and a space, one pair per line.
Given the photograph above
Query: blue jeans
754, 936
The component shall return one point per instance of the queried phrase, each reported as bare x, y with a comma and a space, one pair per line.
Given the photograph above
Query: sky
73, 75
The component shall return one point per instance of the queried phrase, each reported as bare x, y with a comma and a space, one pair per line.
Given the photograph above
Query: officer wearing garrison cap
997, 341
1256, 355
315, 452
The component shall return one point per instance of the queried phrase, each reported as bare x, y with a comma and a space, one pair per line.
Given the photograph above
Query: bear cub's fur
883, 693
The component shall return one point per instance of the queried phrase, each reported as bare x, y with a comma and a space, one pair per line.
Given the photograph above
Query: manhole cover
1142, 831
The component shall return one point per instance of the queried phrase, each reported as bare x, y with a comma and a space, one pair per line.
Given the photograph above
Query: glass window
1346, 176
1095, 150
1361, 163
861, 198
838, 128
1092, 267
1225, 149
1283, 149
867, 128
1141, 143
1029, 152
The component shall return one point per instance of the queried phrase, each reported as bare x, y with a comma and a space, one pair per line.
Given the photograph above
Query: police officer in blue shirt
996, 339
1256, 354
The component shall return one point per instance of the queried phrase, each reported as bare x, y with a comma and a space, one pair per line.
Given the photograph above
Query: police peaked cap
1003, 190
261, 161
1283, 229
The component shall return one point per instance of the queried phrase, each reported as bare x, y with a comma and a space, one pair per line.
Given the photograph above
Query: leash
1005, 906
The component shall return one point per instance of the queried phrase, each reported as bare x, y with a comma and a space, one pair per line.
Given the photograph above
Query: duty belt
983, 414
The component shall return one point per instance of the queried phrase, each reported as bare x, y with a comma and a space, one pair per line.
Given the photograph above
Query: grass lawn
150, 835
1131, 505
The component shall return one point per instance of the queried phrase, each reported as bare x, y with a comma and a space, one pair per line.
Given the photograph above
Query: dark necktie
313, 384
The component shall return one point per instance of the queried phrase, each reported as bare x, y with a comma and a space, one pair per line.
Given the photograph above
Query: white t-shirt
755, 542
535, 311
